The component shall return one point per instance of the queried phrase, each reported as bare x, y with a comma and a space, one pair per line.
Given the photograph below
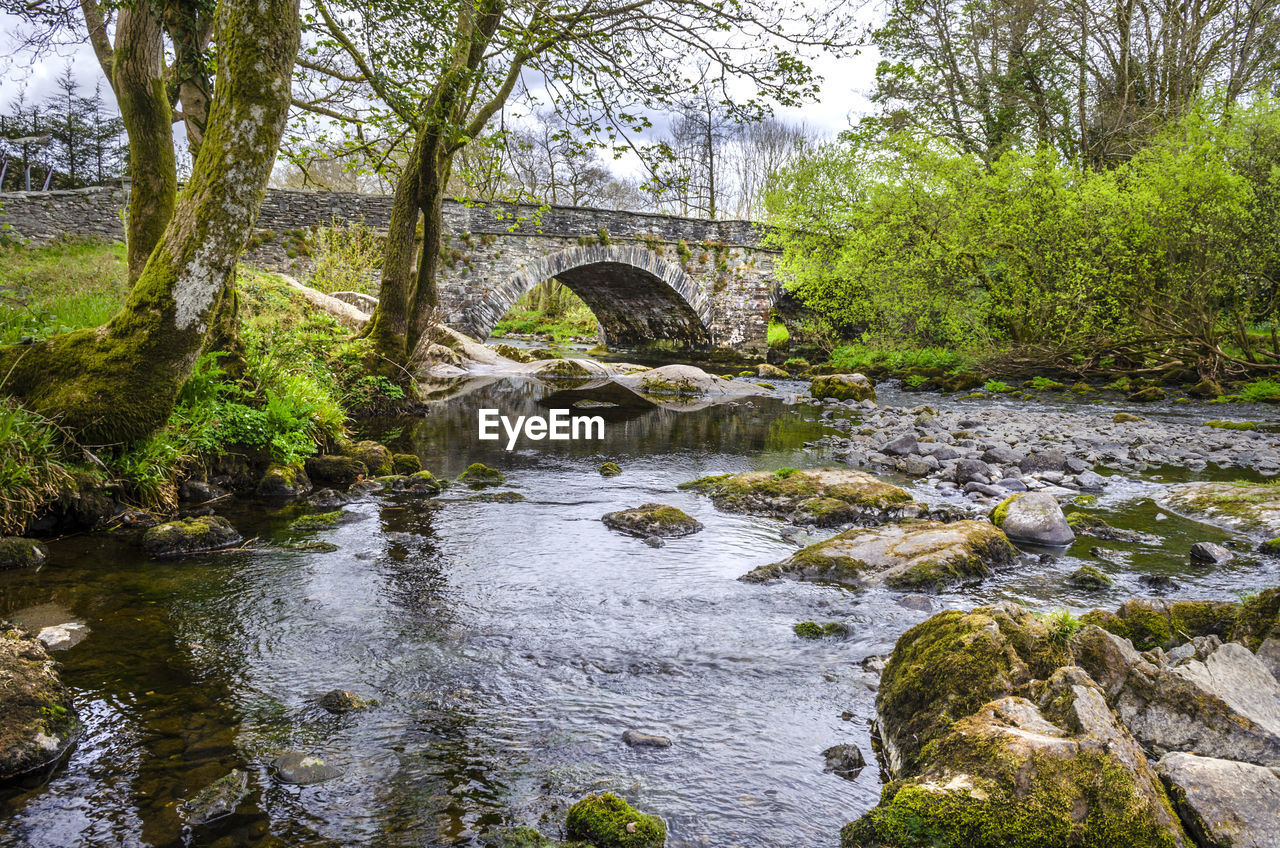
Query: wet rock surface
821, 496
38, 720
17, 552
1224, 804
217, 800
189, 536
653, 520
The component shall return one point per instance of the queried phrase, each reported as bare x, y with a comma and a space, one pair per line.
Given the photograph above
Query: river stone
327, 499
771, 372
639, 739
822, 496
342, 470
198, 491
610, 469
1242, 506
904, 445
38, 720
842, 387
1211, 553
218, 799
607, 821
653, 519
284, 481
303, 769
927, 555
377, 458
478, 475
1042, 461
60, 637
1033, 517
189, 536
972, 471
341, 701
17, 552
1224, 804
844, 761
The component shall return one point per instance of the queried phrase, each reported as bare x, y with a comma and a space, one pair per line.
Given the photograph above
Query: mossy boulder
607, 821
377, 458
610, 469
1271, 547
653, 519
339, 470
284, 481
1231, 425
316, 521
825, 496
420, 483
560, 369
405, 463
854, 387
478, 475
1159, 624
771, 372
1258, 619
17, 552
37, 718
1206, 390
189, 536
1089, 578
1150, 394
1126, 418
814, 630
513, 353
1252, 507
947, 667
1033, 517
916, 556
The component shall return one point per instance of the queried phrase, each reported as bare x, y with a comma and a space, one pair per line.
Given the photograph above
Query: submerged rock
37, 719
607, 821
1033, 517
926, 555
1253, 507
610, 469
1224, 804
1090, 578
824, 496
340, 701
60, 637
814, 630
342, 470
17, 552
189, 536
653, 519
218, 799
304, 769
844, 760
478, 475
1096, 527
854, 387
496, 497
639, 739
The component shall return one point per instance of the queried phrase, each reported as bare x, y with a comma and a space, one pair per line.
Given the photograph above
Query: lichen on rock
825, 496
37, 719
653, 519
189, 536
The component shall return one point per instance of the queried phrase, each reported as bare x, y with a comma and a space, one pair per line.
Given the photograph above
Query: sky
847, 83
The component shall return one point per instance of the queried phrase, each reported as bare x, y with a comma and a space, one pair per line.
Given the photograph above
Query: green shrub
1261, 391
32, 469
346, 256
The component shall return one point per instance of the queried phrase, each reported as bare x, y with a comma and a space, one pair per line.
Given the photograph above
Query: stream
509, 646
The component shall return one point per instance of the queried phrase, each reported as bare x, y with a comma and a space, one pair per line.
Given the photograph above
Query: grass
572, 319
1261, 391
863, 357
302, 373
60, 287
778, 335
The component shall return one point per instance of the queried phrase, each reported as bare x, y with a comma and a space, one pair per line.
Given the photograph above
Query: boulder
844, 760
420, 483
316, 521
927, 555
771, 372
38, 720
823, 496
1042, 461
284, 481
198, 491
189, 536
972, 471
60, 637
17, 552
1089, 578
327, 499
1150, 394
1224, 804
341, 701
639, 739
218, 799
904, 445
610, 469
1033, 517
607, 821
854, 387
1210, 553
377, 458
304, 769
340, 470
653, 519
478, 475
405, 463
1159, 624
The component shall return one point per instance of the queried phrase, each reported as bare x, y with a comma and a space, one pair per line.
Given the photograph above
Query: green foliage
997, 387
347, 257
1062, 625
32, 469
778, 335
1261, 391
915, 241
551, 309
863, 358
60, 287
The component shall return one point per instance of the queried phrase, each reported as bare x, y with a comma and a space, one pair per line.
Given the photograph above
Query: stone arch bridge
651, 280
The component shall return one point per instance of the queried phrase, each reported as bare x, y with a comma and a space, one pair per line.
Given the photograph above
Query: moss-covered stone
562, 368
806, 496
1089, 578
1126, 418
377, 458
918, 556
1150, 394
420, 483
1206, 390
37, 717
1271, 547
607, 821
513, 353
1253, 507
316, 521
1156, 624
1258, 619
17, 552
1231, 425
813, 630
341, 470
405, 463
478, 475
284, 481
771, 372
189, 536
1086, 524
653, 519
610, 469
497, 497
842, 387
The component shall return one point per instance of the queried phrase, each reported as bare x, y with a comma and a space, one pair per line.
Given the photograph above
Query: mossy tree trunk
118, 383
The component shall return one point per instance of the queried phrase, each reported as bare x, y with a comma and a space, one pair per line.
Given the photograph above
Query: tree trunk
118, 383
138, 81
388, 327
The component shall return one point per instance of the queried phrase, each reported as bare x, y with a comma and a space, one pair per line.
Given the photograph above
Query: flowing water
509, 646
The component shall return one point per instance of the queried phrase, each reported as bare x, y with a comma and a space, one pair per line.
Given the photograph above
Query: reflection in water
509, 647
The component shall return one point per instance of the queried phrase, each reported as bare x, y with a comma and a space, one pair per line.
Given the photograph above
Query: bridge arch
638, 297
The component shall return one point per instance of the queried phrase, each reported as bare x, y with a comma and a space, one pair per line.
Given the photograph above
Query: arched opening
638, 300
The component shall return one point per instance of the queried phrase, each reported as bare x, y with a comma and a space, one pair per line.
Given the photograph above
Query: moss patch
607, 821
478, 475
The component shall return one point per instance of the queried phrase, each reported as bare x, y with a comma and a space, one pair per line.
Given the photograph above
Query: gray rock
1224, 804
1012, 484
1211, 553
1076, 465
919, 466
917, 602
218, 799
198, 491
844, 760
60, 637
654, 541
984, 489
1000, 455
639, 739
904, 445
303, 769
327, 499
1041, 461
652, 519
972, 470
1035, 517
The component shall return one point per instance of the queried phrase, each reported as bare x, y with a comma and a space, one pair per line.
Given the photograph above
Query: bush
347, 257
1261, 391
32, 469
